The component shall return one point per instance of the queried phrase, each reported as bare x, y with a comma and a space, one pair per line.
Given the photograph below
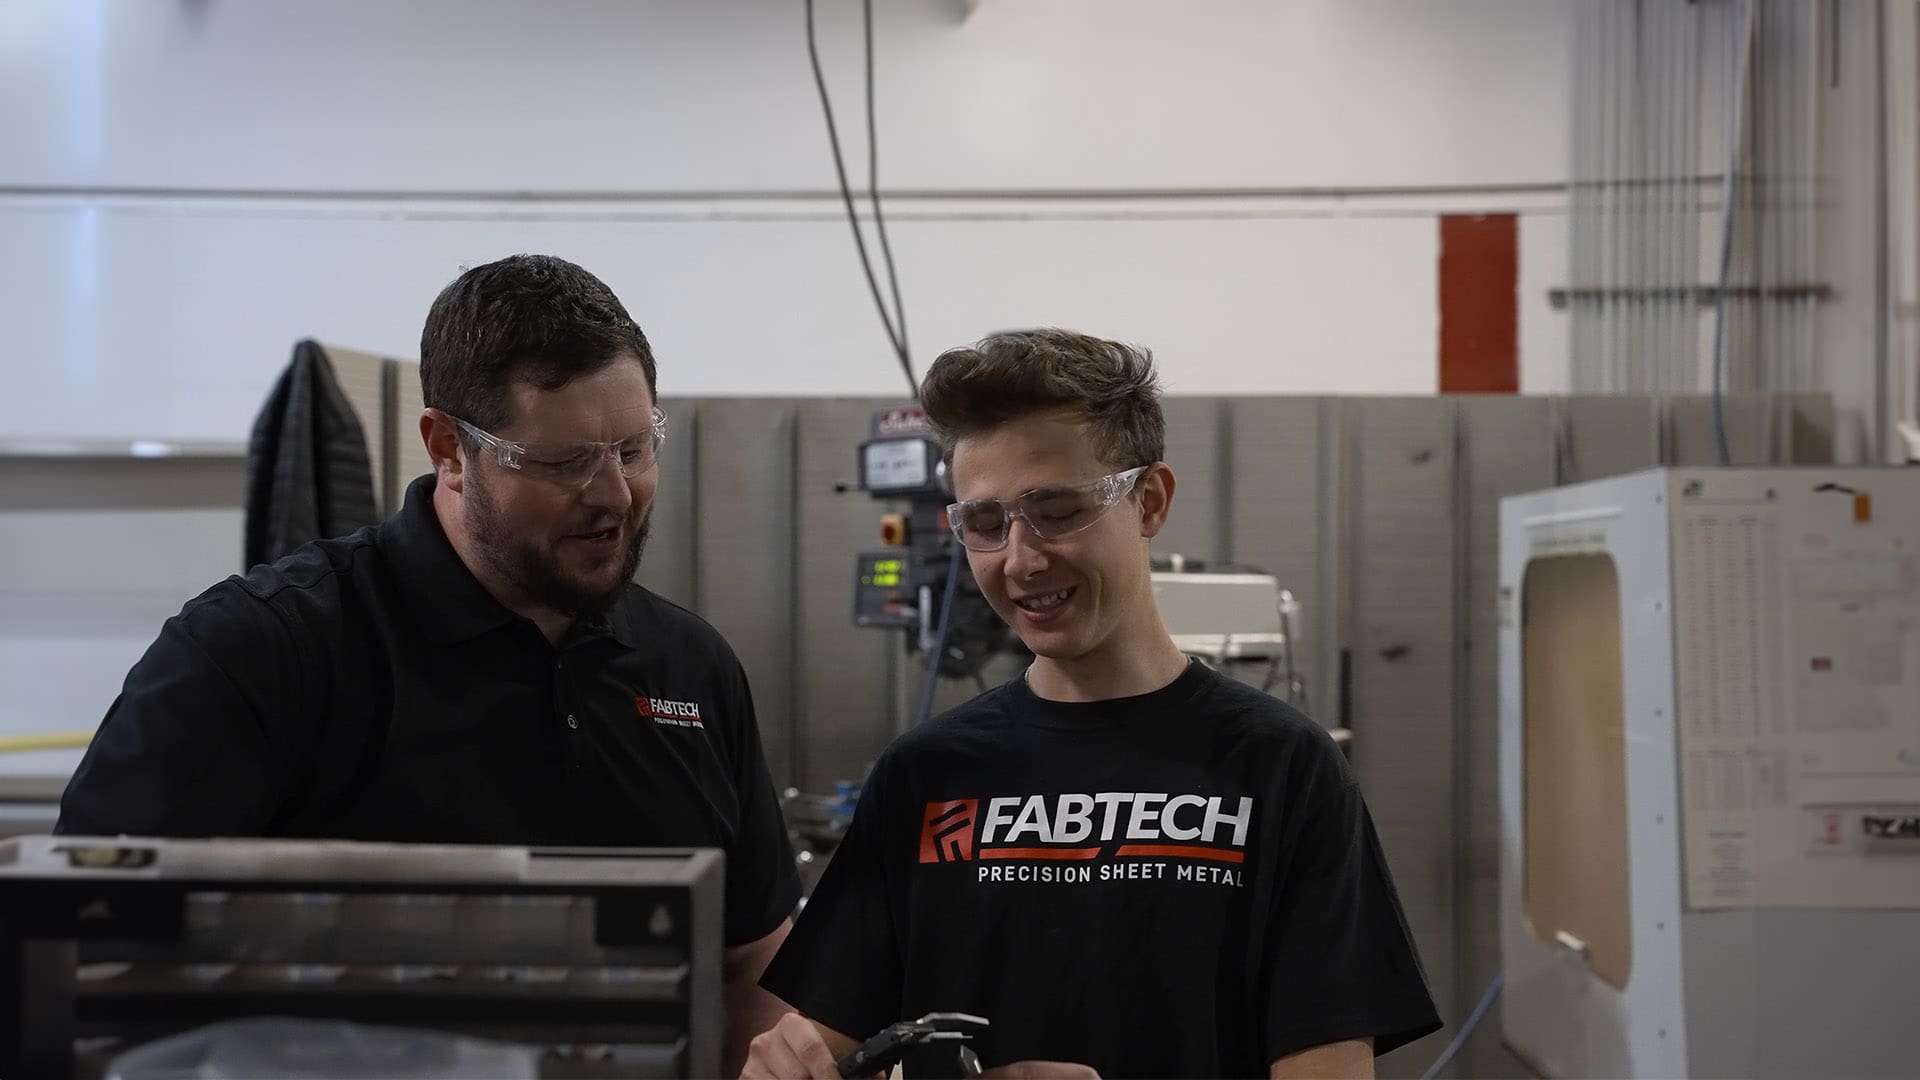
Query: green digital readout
886, 574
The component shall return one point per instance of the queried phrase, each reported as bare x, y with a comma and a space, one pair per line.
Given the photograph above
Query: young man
1121, 859
480, 668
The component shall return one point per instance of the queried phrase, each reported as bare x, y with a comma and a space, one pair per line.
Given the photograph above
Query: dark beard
531, 572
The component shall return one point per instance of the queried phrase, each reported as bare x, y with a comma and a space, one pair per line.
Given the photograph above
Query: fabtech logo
669, 713
946, 831
1106, 836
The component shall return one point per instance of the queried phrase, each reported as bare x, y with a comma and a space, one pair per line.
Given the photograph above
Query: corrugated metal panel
410, 458
1750, 430
669, 566
1506, 448
1194, 429
1608, 436
841, 694
363, 379
1807, 428
1279, 495
744, 535
1402, 638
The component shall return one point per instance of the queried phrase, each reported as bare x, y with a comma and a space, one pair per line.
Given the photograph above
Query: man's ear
1155, 488
442, 439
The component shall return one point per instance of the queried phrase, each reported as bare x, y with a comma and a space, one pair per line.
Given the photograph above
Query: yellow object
50, 740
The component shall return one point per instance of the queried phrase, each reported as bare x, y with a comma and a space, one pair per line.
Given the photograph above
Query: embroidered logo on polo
1104, 836
669, 713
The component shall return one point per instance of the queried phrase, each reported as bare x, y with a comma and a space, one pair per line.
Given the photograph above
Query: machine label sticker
1104, 836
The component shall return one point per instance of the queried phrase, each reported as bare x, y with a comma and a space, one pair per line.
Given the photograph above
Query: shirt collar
448, 602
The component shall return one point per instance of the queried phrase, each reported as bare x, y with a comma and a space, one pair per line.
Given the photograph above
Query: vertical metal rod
1668, 177
1779, 129
690, 493
1617, 273
1466, 982
1805, 88
1580, 358
1602, 269
1765, 79
1629, 225
1687, 236
1797, 101
1809, 227
1638, 233
1330, 600
1883, 357
1223, 500
786, 465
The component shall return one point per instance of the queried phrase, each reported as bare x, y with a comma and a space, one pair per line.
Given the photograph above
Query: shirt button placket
573, 722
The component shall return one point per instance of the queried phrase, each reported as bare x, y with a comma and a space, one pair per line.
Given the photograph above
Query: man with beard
479, 668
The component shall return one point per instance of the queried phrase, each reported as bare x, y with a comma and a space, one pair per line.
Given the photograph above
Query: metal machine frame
134, 939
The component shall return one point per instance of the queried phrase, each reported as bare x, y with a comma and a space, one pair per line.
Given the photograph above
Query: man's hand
796, 1049
1043, 1070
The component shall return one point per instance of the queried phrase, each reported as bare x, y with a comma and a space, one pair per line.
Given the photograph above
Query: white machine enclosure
1769, 682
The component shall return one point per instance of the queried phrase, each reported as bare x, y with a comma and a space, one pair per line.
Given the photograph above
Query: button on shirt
369, 688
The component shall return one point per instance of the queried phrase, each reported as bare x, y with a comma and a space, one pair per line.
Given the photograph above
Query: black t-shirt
369, 688
1184, 883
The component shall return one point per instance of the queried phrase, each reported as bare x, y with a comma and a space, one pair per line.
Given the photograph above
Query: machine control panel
884, 593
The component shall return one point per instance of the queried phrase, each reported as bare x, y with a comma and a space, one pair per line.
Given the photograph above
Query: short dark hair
526, 317
1006, 376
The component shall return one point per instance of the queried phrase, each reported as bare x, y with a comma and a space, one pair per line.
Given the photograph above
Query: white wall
692, 95
199, 184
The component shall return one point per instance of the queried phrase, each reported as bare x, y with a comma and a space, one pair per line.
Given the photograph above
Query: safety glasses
575, 464
1051, 512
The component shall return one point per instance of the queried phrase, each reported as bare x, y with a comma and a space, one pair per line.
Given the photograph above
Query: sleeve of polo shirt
762, 885
187, 748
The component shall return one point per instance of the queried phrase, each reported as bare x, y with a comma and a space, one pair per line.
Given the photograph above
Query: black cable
939, 649
873, 194
1460, 1038
846, 198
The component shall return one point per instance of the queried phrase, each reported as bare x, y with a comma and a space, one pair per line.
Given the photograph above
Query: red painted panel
1479, 304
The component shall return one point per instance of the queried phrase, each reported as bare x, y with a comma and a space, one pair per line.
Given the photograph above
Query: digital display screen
889, 465
884, 573
883, 593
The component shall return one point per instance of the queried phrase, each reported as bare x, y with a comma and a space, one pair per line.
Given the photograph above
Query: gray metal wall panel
124, 484
1402, 640
1609, 436
669, 566
1750, 431
1276, 488
1506, 448
845, 711
1194, 432
1808, 422
410, 459
744, 534
363, 380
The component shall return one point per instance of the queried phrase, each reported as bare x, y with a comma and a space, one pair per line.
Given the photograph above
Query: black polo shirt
369, 688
